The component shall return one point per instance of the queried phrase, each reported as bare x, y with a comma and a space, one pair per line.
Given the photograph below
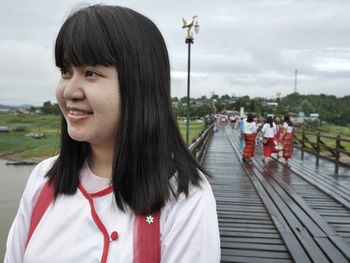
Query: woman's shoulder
42, 168
252, 123
197, 194
265, 126
38, 178
192, 217
45, 164
199, 201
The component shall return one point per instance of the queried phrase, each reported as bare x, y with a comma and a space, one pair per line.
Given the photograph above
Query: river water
12, 183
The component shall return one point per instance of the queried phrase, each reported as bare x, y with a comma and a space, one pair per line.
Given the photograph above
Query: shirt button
114, 235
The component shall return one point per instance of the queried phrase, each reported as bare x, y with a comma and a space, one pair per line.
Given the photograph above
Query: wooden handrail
305, 144
199, 147
324, 135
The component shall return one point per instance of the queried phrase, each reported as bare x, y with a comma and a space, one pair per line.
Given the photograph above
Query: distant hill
6, 106
23, 106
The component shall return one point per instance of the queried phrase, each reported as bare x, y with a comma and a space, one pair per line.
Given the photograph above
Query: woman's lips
75, 115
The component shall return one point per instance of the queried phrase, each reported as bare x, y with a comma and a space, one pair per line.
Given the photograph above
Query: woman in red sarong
287, 139
269, 132
249, 138
278, 146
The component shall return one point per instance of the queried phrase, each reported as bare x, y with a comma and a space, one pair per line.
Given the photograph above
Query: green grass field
18, 145
334, 130
196, 128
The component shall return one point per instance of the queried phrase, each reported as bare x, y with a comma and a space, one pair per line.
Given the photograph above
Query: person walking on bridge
287, 139
249, 138
278, 146
268, 131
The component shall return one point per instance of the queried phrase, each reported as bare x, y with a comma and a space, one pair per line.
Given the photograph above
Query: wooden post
302, 142
194, 153
337, 154
318, 148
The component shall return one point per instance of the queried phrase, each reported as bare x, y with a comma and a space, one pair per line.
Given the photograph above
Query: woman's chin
77, 136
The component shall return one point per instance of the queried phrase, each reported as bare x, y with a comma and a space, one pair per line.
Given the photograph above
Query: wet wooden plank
251, 240
253, 234
243, 220
309, 243
257, 253
253, 246
252, 259
332, 252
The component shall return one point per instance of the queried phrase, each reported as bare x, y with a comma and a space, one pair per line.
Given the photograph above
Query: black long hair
269, 120
250, 117
287, 120
150, 147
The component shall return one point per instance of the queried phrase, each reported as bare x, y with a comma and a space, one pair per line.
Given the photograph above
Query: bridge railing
199, 147
333, 148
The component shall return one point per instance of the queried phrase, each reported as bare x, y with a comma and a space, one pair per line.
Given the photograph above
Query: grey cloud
243, 47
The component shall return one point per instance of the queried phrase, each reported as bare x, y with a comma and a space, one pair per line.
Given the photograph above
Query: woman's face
89, 98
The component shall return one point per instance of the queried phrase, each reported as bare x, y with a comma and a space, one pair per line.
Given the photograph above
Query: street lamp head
189, 26
196, 26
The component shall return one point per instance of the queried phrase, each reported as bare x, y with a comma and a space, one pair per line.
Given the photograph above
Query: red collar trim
97, 221
101, 193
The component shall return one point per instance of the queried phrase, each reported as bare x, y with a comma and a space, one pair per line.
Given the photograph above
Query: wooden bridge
269, 212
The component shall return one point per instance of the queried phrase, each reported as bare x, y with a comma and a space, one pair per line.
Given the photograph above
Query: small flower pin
149, 219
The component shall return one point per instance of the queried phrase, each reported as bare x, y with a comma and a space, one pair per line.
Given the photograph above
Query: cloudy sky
244, 47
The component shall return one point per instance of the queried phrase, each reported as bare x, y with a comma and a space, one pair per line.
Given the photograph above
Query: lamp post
189, 40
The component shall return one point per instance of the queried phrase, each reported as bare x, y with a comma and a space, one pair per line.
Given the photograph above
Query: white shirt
249, 127
68, 233
268, 131
91, 182
288, 128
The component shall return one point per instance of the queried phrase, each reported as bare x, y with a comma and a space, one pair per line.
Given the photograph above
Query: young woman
241, 127
249, 138
268, 131
287, 139
123, 171
278, 145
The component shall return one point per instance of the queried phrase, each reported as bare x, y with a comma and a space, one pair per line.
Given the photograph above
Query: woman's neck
101, 161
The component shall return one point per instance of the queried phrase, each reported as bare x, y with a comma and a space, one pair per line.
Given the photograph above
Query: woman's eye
91, 74
65, 74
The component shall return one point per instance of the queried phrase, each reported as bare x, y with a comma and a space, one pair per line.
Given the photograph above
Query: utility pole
296, 81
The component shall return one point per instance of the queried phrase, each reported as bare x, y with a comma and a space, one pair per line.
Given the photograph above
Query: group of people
276, 137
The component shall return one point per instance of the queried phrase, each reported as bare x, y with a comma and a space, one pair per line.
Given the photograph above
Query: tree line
330, 108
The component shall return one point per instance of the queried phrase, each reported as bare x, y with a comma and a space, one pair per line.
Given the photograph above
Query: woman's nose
73, 89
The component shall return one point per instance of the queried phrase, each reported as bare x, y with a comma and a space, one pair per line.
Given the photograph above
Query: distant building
292, 114
21, 111
228, 101
314, 116
275, 104
297, 119
4, 129
269, 103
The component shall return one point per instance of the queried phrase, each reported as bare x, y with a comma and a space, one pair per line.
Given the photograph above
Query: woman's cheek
59, 97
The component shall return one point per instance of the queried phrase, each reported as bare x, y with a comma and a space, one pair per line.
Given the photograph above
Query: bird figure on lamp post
189, 28
189, 40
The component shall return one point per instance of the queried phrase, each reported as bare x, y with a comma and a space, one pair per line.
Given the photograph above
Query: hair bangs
83, 40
